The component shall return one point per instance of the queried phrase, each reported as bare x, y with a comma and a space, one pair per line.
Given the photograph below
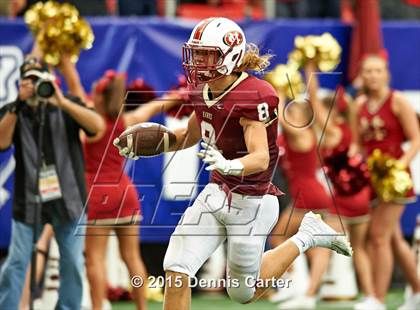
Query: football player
235, 115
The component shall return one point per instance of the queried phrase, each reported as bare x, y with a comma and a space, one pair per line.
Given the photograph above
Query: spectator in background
139, 8
323, 8
308, 8
63, 194
291, 8
85, 7
400, 9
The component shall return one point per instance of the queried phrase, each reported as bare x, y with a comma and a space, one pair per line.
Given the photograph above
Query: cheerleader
300, 164
113, 203
350, 204
384, 120
115, 206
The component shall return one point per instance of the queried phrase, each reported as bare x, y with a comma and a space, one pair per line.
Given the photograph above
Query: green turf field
394, 299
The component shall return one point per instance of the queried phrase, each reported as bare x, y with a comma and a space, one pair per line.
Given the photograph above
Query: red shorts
309, 194
353, 208
112, 203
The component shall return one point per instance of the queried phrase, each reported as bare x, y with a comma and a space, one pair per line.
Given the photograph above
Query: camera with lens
43, 82
44, 88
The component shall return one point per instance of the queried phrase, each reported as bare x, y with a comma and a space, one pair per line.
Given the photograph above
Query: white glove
217, 162
128, 150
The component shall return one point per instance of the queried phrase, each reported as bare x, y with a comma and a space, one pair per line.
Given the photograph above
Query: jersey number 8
208, 133
263, 113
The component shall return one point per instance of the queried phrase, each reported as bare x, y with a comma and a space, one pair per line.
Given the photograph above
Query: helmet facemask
203, 64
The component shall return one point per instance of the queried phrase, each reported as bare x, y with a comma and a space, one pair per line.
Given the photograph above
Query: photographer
61, 178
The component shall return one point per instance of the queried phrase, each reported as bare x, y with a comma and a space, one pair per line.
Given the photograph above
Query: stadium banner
150, 48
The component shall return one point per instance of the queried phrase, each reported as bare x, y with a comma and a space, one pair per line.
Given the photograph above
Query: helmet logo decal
233, 38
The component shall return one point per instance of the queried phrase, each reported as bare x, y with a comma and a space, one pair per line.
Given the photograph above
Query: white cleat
412, 302
299, 303
323, 235
370, 303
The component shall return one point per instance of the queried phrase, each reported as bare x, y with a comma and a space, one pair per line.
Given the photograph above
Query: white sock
303, 241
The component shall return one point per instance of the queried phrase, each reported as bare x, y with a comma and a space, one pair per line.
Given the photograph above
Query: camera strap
49, 185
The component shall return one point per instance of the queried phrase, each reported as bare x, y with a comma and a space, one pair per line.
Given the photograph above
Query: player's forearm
184, 140
188, 136
7, 128
255, 162
258, 157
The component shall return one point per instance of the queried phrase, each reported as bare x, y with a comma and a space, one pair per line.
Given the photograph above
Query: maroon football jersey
250, 98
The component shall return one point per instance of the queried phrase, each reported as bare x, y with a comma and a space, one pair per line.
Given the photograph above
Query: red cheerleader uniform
300, 167
112, 197
352, 208
382, 130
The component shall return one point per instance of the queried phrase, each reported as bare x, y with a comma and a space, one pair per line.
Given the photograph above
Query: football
149, 139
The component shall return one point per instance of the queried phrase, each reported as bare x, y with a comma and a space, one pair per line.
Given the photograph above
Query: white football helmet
215, 48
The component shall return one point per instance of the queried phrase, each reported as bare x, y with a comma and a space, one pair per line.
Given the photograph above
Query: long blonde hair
253, 61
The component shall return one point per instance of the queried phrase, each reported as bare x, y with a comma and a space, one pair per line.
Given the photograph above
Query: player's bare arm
258, 157
188, 136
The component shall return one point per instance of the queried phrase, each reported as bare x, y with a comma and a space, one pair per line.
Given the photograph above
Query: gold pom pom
287, 79
59, 29
389, 177
324, 49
